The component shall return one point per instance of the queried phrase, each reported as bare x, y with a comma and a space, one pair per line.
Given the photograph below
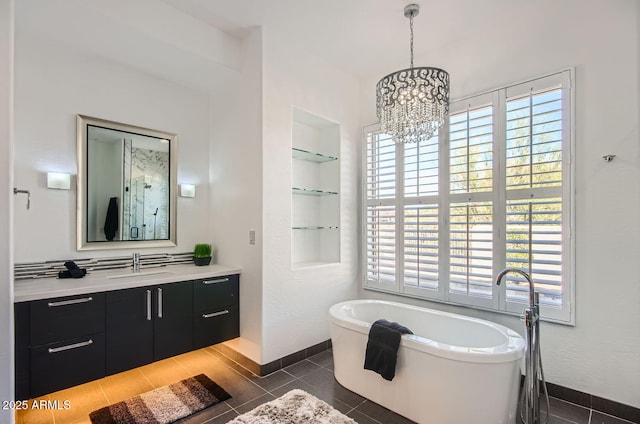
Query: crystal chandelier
412, 103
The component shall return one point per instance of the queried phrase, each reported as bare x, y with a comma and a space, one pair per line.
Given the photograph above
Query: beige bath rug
163, 405
294, 407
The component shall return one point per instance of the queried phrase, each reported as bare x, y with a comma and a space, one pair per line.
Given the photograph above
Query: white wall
54, 83
600, 38
6, 194
105, 182
236, 190
296, 302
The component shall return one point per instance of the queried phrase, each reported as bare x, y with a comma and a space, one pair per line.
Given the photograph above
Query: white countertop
100, 281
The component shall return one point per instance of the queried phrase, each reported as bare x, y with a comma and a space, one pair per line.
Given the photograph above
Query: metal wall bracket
27, 192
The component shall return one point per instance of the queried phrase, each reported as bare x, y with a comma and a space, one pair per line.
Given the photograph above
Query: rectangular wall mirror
126, 186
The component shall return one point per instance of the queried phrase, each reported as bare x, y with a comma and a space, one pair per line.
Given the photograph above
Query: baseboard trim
589, 401
583, 399
262, 370
596, 403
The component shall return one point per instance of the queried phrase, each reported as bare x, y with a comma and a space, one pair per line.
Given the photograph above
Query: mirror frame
82, 122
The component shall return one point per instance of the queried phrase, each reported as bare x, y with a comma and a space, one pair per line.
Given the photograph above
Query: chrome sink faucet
136, 262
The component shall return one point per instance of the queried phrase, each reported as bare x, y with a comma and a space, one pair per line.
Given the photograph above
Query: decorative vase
200, 261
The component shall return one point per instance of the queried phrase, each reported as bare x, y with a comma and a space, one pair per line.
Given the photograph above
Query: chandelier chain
411, 43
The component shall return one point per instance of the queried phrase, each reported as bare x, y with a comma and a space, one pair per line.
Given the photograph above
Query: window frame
499, 196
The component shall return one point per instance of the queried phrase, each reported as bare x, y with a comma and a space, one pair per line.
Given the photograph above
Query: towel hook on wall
27, 192
608, 158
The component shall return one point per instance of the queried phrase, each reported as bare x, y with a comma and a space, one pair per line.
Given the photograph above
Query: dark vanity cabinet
62, 342
22, 361
216, 314
146, 324
129, 329
173, 320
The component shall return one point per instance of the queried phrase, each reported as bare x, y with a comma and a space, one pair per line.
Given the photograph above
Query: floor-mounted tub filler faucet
533, 363
136, 262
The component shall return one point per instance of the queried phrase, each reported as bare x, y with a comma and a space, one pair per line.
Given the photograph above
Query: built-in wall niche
315, 190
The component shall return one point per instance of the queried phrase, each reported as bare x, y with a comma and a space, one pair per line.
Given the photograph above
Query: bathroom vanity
72, 331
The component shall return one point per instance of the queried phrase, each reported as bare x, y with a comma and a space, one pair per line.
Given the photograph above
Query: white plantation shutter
421, 169
421, 226
534, 140
381, 244
381, 167
445, 215
534, 244
471, 251
535, 205
471, 150
421, 246
381, 211
471, 185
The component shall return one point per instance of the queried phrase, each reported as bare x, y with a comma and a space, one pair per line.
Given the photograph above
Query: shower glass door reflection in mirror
127, 186
145, 197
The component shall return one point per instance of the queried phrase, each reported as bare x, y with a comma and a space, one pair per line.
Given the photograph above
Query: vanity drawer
64, 364
211, 294
215, 326
66, 318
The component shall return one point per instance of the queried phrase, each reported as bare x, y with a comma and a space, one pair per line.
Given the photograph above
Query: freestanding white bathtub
452, 370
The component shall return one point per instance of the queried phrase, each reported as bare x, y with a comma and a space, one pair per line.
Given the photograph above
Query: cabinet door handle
218, 280
215, 314
159, 303
71, 346
148, 305
70, 302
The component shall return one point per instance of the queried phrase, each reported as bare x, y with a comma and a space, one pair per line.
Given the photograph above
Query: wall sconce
187, 190
58, 180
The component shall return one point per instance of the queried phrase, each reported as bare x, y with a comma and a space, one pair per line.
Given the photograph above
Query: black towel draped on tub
382, 347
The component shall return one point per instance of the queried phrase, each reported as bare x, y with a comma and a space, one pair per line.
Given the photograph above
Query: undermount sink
137, 274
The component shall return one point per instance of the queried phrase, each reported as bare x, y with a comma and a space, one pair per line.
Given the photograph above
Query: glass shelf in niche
315, 227
308, 192
311, 156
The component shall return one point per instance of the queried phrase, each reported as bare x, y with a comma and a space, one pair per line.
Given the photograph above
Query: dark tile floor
315, 376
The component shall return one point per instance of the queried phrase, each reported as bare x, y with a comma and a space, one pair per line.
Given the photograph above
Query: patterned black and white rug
294, 407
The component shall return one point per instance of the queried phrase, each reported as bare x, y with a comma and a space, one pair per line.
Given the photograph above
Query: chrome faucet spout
136, 262
532, 301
